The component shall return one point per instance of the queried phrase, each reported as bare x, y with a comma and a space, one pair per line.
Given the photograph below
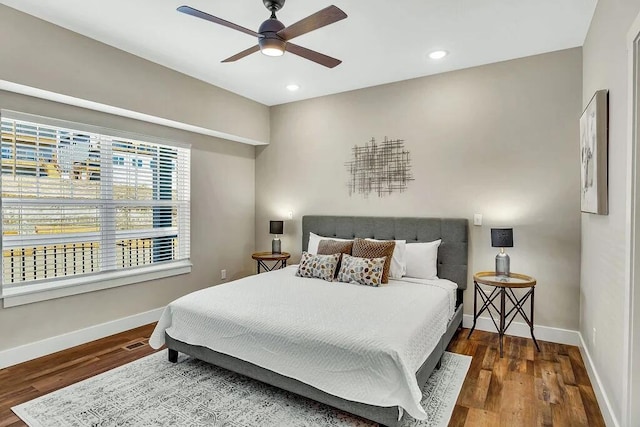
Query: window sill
28, 294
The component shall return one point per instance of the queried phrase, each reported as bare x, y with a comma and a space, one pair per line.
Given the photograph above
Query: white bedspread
359, 343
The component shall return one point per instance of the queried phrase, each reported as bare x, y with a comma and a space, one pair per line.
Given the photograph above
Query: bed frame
452, 265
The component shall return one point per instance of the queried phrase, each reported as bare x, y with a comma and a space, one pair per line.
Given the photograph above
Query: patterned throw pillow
319, 266
365, 271
328, 247
369, 249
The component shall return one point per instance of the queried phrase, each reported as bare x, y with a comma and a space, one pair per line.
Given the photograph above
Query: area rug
154, 392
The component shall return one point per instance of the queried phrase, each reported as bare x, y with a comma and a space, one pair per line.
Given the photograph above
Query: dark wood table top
270, 256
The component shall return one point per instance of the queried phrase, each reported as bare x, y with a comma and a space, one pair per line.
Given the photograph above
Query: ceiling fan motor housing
273, 5
270, 26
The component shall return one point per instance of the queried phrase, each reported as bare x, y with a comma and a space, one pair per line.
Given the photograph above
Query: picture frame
594, 147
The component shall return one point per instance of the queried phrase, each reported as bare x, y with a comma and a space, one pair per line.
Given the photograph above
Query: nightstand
503, 287
280, 260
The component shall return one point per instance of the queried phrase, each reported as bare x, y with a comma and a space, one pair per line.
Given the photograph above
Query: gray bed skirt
387, 416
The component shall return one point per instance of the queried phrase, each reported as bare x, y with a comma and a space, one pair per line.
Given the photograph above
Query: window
79, 203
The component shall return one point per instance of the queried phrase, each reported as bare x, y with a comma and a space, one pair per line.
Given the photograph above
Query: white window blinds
79, 202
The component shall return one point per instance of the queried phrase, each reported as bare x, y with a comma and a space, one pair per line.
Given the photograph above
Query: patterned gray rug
153, 392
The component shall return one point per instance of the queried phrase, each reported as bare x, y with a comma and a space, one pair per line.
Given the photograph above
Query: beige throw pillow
330, 247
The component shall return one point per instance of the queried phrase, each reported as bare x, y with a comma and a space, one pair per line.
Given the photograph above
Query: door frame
631, 371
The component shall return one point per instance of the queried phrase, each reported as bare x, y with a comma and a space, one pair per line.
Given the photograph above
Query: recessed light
293, 87
438, 54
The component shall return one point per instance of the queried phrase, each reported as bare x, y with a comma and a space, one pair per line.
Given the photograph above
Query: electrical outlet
223, 274
593, 337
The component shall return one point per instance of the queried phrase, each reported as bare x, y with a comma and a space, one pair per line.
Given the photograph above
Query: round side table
280, 260
503, 287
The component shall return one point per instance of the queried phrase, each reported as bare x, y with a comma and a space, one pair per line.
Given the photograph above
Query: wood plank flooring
26, 381
524, 388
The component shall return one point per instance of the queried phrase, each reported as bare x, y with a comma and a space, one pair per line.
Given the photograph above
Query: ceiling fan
273, 36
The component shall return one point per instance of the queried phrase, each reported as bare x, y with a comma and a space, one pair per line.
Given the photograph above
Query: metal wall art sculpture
381, 168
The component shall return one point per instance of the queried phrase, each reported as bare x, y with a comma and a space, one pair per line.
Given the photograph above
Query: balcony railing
69, 259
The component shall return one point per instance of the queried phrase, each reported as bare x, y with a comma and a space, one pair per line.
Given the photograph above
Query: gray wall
501, 140
38, 54
602, 289
222, 172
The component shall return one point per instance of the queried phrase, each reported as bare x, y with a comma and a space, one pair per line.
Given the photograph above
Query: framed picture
593, 155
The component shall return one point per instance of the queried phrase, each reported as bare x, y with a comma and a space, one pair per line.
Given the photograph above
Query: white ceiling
381, 41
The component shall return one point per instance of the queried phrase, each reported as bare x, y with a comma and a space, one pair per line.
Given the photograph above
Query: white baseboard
519, 329
603, 400
30, 351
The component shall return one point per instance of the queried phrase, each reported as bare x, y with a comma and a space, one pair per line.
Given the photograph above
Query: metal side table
503, 288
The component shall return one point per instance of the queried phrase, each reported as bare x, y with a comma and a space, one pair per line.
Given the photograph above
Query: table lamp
502, 238
276, 227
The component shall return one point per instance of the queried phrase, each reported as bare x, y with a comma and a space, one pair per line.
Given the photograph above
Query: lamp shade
276, 227
502, 237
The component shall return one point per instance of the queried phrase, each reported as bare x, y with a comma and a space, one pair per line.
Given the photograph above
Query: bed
332, 369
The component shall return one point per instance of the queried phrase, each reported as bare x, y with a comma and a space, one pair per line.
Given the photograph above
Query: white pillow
398, 263
314, 241
422, 260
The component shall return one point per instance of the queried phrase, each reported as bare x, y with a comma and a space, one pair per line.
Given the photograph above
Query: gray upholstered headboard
452, 254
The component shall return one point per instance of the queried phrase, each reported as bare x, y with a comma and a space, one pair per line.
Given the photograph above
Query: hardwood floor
26, 381
524, 388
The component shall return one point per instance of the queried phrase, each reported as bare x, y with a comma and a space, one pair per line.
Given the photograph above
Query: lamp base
275, 246
502, 264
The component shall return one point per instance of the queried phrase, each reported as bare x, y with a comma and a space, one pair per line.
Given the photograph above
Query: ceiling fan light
271, 51
272, 46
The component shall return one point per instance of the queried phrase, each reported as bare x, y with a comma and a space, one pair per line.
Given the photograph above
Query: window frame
45, 289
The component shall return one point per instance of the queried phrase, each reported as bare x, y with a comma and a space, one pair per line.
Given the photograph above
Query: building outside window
89, 203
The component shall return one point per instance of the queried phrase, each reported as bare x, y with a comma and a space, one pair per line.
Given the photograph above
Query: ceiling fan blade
326, 16
312, 55
242, 54
202, 15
